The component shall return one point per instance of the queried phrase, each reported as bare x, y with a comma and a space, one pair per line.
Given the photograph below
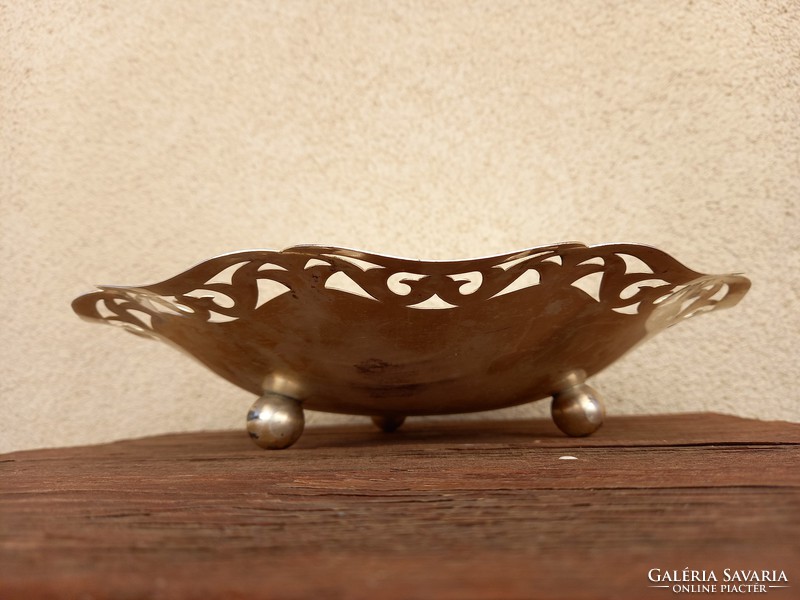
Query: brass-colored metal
388, 423
578, 410
275, 421
353, 332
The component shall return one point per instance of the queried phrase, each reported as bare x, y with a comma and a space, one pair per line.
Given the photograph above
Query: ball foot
275, 421
578, 410
388, 423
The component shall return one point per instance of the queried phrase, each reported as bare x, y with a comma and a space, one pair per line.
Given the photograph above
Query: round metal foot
388, 423
275, 421
578, 410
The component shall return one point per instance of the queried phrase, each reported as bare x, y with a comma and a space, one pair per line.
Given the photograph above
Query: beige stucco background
138, 137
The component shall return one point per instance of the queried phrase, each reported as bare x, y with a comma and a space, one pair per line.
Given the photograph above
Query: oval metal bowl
344, 331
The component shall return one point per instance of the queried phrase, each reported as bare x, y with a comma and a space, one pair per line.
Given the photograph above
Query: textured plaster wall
140, 137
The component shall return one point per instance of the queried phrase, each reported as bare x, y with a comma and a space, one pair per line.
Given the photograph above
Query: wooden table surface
454, 510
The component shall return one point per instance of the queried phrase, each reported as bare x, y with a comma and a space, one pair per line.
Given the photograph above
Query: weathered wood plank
446, 510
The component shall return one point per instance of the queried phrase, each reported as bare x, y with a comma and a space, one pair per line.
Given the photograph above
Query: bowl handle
704, 294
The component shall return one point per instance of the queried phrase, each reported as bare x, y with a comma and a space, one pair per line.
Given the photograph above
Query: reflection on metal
275, 421
351, 332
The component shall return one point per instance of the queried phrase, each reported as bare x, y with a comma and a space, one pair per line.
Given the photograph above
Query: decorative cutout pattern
626, 279
367, 334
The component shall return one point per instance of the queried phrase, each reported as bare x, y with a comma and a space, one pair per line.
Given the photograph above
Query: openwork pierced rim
365, 333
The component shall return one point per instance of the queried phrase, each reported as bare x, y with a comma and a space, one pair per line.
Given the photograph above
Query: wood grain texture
438, 510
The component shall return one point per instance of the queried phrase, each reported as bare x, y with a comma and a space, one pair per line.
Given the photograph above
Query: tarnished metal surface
353, 332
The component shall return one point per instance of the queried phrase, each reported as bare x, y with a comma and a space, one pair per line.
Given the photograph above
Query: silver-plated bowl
345, 331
